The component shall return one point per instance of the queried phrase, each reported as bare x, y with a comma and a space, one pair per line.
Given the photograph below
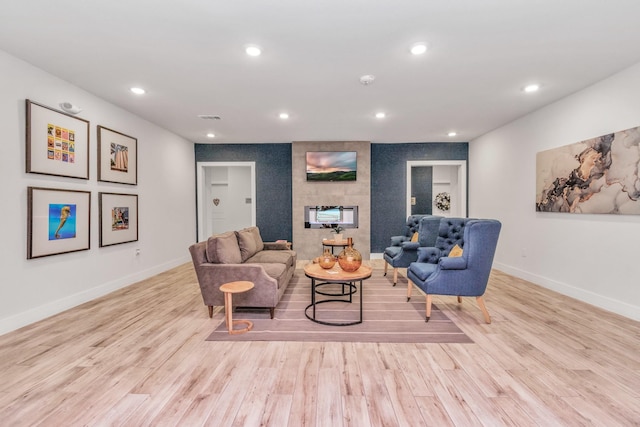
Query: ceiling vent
209, 117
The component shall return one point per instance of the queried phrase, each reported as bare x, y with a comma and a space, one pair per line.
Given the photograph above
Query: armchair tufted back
412, 225
450, 233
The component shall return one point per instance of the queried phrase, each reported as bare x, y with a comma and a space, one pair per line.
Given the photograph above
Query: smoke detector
209, 117
68, 107
367, 79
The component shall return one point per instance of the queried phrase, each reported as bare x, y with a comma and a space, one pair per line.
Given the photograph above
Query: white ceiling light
452, 134
211, 135
284, 116
367, 79
253, 50
138, 90
418, 48
380, 115
531, 88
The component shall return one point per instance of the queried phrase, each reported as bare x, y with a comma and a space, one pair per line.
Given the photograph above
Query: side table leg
228, 308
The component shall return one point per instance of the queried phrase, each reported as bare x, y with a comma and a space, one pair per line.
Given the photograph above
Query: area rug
387, 317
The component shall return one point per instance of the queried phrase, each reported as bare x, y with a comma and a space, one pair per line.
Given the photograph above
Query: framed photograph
58, 221
117, 157
57, 142
118, 218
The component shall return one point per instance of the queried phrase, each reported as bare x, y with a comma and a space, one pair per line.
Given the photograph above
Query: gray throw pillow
224, 249
250, 242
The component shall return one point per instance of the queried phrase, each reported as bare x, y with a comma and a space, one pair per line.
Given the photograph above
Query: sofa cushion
281, 257
223, 249
275, 270
250, 242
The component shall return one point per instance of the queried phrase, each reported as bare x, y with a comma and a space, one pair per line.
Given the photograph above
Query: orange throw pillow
456, 251
414, 238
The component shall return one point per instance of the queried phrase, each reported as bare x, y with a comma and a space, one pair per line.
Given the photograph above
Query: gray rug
387, 317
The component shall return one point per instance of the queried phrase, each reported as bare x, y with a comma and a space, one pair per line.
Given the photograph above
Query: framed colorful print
118, 218
58, 221
57, 143
117, 157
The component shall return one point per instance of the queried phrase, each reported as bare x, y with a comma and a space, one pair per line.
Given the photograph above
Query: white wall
34, 289
589, 257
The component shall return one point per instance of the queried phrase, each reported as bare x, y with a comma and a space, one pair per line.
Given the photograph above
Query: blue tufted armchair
403, 251
437, 273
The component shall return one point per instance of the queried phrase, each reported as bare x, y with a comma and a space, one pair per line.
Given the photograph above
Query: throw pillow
250, 242
224, 249
456, 251
415, 236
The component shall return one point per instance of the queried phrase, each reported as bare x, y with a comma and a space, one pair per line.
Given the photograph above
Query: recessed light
253, 50
138, 90
284, 115
452, 134
531, 88
211, 135
418, 48
367, 79
380, 115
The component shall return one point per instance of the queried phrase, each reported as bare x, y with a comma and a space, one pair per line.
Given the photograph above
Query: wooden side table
235, 288
333, 243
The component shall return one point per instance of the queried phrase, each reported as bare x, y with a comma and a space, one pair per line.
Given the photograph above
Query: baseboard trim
597, 300
52, 308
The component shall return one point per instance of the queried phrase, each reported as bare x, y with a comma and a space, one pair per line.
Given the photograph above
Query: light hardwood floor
139, 357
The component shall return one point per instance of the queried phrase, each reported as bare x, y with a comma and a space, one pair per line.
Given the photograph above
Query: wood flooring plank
402, 399
329, 398
355, 411
305, 398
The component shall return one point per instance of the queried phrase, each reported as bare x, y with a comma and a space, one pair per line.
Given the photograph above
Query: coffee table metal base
348, 289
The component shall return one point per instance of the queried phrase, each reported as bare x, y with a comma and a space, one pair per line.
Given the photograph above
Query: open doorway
428, 178
226, 194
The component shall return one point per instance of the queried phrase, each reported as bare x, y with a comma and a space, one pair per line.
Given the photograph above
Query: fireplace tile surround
308, 241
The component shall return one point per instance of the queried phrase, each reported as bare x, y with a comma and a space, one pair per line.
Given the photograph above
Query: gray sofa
242, 255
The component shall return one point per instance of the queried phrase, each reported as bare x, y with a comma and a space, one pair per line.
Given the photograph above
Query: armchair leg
428, 307
395, 276
210, 311
272, 311
459, 299
487, 318
386, 265
409, 287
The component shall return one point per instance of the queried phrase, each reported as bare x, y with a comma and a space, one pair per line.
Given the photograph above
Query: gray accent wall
273, 181
389, 183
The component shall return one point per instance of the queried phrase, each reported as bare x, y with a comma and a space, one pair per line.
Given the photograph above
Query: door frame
200, 173
462, 179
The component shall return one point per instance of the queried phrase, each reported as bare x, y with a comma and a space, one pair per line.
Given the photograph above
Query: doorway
427, 178
226, 194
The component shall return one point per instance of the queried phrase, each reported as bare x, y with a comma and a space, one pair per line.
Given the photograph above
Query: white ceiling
189, 56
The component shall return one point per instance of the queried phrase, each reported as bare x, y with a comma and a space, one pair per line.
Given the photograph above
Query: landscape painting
595, 176
331, 165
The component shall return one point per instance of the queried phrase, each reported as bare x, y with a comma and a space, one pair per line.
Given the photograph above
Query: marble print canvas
595, 176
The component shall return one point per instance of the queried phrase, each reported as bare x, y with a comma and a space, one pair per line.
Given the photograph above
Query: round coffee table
335, 275
235, 288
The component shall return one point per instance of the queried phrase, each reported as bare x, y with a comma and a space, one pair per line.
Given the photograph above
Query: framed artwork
118, 218
117, 157
58, 221
595, 176
57, 142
